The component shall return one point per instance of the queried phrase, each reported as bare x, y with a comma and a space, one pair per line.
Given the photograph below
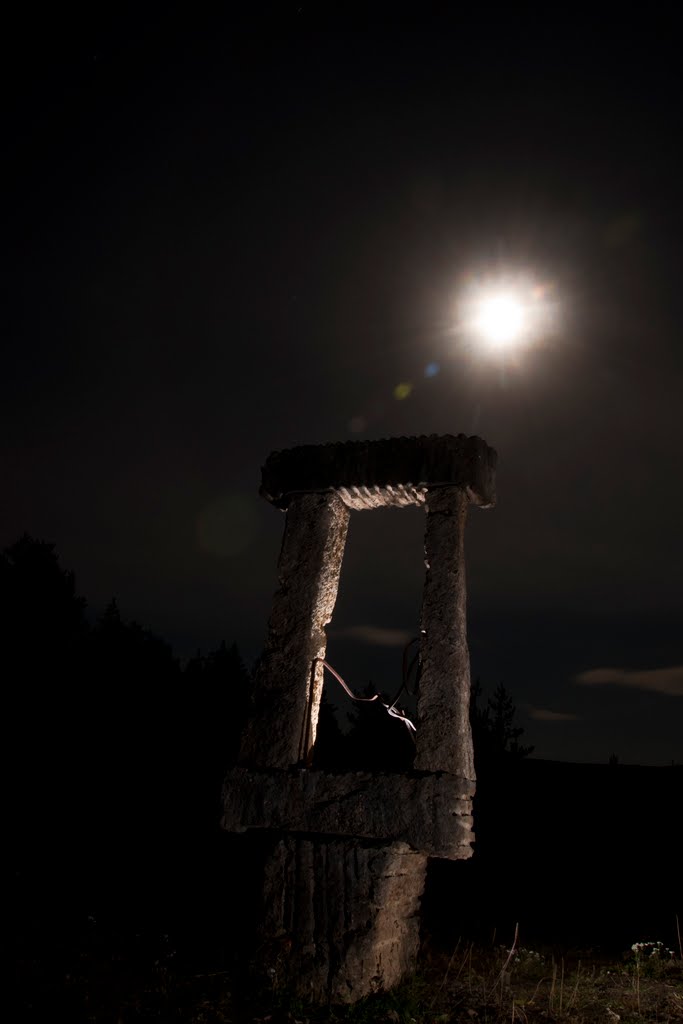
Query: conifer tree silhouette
494, 732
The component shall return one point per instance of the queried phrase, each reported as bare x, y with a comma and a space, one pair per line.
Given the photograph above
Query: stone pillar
341, 917
444, 738
288, 685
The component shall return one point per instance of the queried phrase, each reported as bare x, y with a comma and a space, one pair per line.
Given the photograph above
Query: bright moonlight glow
500, 319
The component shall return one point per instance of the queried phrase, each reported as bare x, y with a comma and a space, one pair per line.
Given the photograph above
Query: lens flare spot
402, 391
431, 369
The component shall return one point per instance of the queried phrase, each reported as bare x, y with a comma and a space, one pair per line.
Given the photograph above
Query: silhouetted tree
216, 699
42, 617
218, 686
44, 634
118, 756
127, 651
494, 732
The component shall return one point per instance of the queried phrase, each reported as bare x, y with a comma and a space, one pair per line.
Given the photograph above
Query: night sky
223, 238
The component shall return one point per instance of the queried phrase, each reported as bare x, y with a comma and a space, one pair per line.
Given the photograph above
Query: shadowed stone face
348, 907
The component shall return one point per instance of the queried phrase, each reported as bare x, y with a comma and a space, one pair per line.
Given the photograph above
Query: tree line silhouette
105, 714
115, 754
116, 751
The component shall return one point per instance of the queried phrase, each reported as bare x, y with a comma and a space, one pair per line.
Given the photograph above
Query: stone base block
343, 916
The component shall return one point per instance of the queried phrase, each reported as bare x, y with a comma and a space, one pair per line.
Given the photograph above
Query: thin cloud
668, 681
376, 636
546, 715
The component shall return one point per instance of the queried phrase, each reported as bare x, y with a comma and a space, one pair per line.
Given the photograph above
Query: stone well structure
346, 871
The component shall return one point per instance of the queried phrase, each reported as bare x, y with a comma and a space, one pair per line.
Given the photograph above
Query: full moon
499, 319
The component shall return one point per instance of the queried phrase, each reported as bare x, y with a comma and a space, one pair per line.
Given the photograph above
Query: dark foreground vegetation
109, 975
128, 903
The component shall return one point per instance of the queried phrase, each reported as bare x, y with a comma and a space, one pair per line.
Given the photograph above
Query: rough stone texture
344, 915
430, 813
394, 471
444, 737
288, 685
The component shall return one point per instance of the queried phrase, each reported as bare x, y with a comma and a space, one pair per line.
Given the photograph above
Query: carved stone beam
432, 813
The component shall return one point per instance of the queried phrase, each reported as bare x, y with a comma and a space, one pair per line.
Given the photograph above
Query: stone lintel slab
389, 472
430, 812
